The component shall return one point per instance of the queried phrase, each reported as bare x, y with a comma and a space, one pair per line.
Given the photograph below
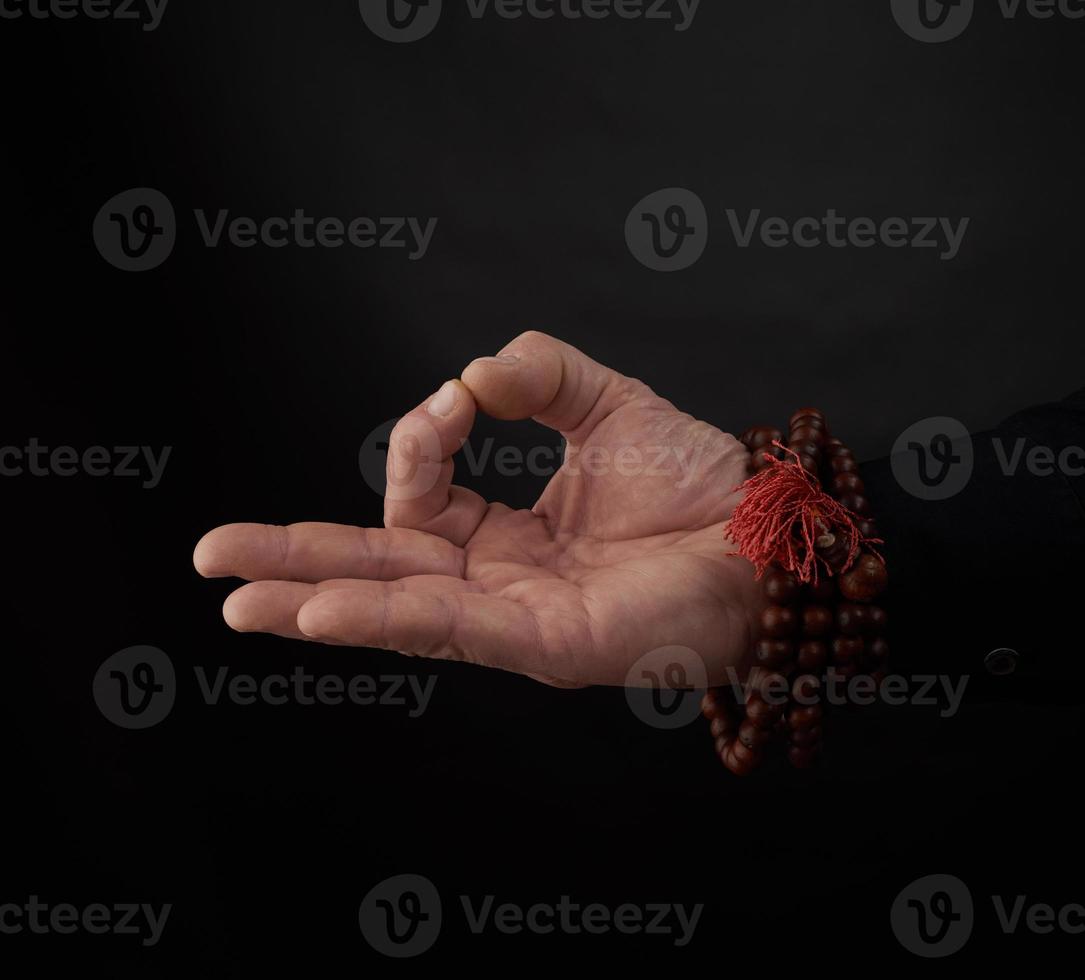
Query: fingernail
502, 358
444, 401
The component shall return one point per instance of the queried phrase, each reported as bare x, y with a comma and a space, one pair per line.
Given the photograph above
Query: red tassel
784, 512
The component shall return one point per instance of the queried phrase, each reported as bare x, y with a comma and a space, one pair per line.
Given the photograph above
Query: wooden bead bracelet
806, 525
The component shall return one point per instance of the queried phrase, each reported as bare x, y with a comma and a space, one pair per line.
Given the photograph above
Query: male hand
625, 552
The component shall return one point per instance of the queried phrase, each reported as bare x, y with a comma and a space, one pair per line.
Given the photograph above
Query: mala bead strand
820, 614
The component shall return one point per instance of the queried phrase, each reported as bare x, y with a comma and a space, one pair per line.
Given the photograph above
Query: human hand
625, 552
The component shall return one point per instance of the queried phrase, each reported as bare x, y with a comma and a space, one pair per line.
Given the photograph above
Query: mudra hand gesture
625, 551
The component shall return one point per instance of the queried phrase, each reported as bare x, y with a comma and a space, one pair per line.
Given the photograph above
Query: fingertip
517, 384
317, 618
207, 556
235, 611
451, 397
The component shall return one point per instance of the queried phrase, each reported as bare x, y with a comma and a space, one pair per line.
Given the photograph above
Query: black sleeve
997, 565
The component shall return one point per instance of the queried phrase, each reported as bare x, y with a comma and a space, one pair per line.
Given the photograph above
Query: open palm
624, 553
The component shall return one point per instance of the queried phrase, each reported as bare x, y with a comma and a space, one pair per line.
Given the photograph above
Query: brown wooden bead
813, 654
876, 619
774, 653
799, 413
852, 618
843, 464
804, 447
763, 458
805, 716
745, 752
843, 482
712, 705
781, 587
865, 580
809, 464
855, 502
833, 549
805, 688
846, 649
802, 756
778, 622
877, 649
835, 448
806, 736
809, 433
810, 421
764, 436
763, 713
723, 725
723, 742
816, 620
753, 737
738, 766
867, 528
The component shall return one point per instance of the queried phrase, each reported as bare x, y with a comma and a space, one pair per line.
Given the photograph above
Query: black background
265, 369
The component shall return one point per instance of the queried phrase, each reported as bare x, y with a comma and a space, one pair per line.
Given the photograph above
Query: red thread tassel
783, 514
